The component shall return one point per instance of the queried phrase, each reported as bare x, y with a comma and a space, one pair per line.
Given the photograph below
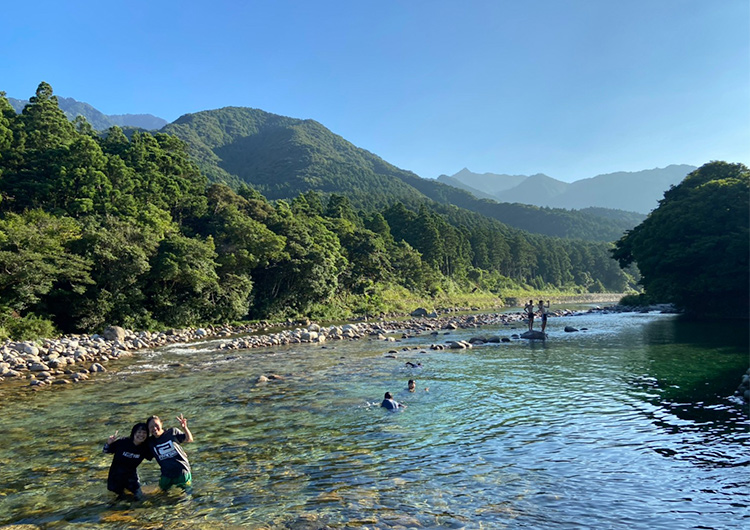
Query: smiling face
154, 427
140, 436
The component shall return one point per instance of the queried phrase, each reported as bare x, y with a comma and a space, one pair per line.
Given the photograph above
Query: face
140, 436
154, 427
412, 385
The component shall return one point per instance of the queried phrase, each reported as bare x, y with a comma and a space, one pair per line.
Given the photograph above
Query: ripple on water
611, 428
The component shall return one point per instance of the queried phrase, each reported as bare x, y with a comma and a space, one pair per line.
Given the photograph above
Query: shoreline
75, 358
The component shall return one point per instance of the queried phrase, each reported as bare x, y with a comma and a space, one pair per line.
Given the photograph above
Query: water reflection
613, 427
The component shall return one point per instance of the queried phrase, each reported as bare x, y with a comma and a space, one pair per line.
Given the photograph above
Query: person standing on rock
543, 310
128, 454
529, 309
165, 446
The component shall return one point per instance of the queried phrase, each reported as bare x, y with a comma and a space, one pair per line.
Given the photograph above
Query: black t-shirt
168, 452
127, 455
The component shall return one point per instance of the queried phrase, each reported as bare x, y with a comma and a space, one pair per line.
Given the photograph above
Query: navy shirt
168, 452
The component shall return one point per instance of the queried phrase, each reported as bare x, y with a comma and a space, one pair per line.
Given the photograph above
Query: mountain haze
97, 119
637, 191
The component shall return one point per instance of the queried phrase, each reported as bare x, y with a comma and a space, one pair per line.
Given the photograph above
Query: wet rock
534, 335
570, 329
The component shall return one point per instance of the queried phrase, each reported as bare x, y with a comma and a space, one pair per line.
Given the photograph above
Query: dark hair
138, 427
388, 395
150, 419
411, 381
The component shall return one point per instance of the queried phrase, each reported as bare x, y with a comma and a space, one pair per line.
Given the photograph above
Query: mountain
490, 182
629, 191
97, 119
282, 157
539, 187
638, 191
450, 181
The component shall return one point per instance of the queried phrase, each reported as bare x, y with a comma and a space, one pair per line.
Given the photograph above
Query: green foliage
29, 327
122, 228
35, 258
693, 250
284, 157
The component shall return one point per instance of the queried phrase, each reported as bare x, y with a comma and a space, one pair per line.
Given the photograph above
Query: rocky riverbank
73, 359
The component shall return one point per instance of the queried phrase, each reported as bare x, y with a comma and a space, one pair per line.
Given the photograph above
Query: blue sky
571, 88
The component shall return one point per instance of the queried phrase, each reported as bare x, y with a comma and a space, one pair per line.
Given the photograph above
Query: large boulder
419, 312
114, 333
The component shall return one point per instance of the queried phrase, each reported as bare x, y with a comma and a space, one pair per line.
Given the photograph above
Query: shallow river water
629, 424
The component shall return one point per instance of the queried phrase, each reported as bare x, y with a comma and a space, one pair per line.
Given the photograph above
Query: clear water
630, 424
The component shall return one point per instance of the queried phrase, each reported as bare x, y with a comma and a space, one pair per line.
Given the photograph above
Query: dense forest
101, 228
694, 249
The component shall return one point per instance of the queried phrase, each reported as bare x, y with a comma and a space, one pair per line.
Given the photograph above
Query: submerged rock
534, 335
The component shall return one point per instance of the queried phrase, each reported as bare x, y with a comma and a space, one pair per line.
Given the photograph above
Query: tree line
102, 228
694, 249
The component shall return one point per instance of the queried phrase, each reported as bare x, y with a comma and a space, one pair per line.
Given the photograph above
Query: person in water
166, 448
128, 454
529, 309
412, 385
543, 311
390, 403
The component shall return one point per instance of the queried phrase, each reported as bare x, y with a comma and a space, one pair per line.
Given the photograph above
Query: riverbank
75, 359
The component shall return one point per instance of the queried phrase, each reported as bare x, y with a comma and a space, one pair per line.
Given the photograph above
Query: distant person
128, 454
412, 385
413, 365
543, 310
529, 309
390, 403
165, 446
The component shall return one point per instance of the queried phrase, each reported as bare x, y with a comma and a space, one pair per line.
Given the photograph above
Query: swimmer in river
390, 403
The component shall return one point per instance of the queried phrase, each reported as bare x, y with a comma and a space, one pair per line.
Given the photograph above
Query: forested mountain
108, 228
282, 157
637, 191
97, 119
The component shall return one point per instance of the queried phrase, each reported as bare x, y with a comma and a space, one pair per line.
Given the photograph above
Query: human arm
183, 423
107, 445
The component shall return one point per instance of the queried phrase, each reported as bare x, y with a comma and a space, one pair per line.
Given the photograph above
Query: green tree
184, 283
693, 249
35, 259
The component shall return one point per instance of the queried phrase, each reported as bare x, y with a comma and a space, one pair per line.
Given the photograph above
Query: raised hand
112, 438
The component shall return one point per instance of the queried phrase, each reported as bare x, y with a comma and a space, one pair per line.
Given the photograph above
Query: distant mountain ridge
282, 157
97, 119
637, 191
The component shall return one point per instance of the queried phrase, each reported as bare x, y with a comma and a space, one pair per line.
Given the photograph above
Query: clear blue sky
570, 88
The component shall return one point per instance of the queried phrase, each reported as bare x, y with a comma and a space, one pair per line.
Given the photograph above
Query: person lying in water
128, 454
390, 403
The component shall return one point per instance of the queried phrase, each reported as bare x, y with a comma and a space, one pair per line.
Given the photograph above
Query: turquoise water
629, 424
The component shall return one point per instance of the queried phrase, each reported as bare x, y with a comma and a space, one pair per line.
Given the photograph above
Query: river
628, 424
